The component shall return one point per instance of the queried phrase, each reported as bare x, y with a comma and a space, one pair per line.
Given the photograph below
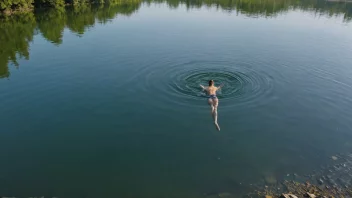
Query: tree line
267, 8
17, 31
261, 7
9, 6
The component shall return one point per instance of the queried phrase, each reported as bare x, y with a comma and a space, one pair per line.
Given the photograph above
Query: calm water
105, 102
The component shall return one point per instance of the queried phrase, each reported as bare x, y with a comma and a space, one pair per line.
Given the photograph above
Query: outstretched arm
219, 87
202, 87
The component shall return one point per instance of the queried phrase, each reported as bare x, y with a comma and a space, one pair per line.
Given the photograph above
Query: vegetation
267, 8
250, 7
17, 31
9, 6
15, 35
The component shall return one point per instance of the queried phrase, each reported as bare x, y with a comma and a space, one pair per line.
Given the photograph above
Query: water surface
105, 101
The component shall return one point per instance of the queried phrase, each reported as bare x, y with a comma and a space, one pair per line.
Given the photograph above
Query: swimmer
213, 101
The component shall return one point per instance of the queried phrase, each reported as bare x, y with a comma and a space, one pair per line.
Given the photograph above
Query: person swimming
213, 101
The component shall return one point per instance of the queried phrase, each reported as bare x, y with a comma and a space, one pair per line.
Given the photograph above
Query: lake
105, 101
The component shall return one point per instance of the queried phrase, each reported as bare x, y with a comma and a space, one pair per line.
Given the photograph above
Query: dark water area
105, 101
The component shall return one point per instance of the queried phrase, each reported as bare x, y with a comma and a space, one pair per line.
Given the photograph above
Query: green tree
50, 3
16, 32
51, 24
8, 5
80, 18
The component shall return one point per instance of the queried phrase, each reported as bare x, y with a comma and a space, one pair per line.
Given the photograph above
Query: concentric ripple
180, 83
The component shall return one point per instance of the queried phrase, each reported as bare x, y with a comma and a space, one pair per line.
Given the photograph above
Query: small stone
288, 196
310, 195
333, 157
320, 181
288, 175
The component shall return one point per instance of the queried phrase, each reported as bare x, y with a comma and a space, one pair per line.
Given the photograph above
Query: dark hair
211, 82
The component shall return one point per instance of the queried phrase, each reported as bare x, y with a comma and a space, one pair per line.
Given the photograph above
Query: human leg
215, 113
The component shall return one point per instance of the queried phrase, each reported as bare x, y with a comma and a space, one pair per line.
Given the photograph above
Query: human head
211, 82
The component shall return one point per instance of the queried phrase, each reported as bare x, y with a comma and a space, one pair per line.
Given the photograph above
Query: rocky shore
332, 180
294, 189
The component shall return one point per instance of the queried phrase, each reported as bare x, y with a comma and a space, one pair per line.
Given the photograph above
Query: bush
15, 4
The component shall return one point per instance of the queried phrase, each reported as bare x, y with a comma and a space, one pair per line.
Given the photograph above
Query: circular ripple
179, 83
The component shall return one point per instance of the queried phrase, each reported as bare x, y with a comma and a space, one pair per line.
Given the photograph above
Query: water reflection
266, 8
16, 32
15, 35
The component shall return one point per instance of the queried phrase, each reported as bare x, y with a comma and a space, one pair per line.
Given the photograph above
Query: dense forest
9, 6
17, 31
267, 7
260, 6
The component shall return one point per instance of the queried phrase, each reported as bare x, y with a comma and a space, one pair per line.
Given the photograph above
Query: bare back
211, 90
213, 101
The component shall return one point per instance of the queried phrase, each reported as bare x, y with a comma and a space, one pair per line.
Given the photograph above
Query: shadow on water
16, 32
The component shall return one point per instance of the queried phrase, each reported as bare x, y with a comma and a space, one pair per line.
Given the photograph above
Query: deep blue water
117, 111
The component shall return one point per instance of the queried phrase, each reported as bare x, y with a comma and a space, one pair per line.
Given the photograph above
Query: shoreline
294, 189
23, 10
262, 8
331, 180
